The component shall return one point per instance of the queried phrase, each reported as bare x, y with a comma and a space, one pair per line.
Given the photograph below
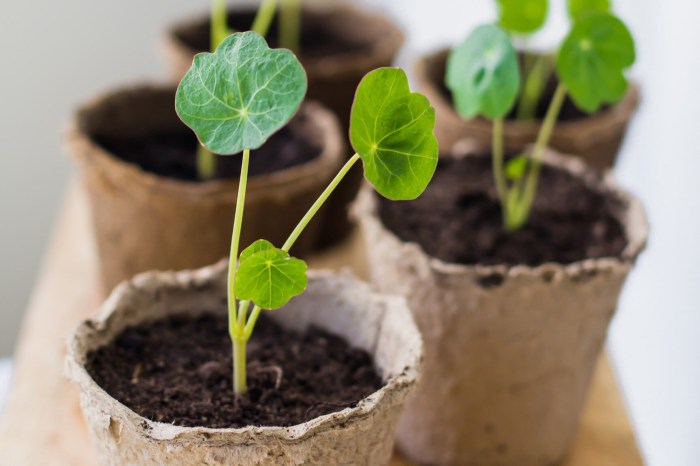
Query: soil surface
173, 154
458, 219
178, 370
319, 37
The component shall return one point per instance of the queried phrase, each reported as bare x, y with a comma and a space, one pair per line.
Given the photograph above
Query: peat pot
337, 303
595, 138
340, 43
150, 212
509, 349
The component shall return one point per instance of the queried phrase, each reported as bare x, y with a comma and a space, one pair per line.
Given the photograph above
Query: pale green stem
313, 210
319, 202
235, 241
219, 23
543, 138
206, 163
497, 161
239, 366
290, 25
535, 83
263, 20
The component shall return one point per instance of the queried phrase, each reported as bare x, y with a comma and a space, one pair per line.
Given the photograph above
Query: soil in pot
458, 219
178, 370
172, 154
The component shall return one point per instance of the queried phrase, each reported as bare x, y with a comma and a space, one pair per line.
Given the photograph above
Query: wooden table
42, 424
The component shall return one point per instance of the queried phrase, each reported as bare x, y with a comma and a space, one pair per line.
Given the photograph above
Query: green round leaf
522, 16
592, 60
580, 8
238, 96
268, 276
391, 128
516, 167
483, 74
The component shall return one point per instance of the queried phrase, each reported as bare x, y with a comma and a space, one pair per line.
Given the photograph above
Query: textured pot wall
333, 78
507, 366
143, 221
596, 139
338, 303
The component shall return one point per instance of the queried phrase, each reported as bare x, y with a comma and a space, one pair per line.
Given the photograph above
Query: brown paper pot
338, 303
507, 367
372, 41
596, 138
144, 221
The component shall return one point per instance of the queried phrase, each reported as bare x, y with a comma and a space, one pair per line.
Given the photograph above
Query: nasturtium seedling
522, 16
483, 74
237, 97
581, 8
593, 58
391, 129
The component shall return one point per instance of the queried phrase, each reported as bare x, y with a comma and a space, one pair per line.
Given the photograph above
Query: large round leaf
269, 276
581, 8
592, 60
522, 16
391, 128
483, 74
238, 96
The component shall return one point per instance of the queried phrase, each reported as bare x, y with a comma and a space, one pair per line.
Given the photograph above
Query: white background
56, 53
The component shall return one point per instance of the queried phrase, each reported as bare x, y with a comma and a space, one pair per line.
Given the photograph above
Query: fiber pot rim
78, 347
84, 149
631, 216
616, 114
388, 41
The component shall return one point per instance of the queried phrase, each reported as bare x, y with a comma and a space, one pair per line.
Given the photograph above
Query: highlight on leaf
391, 128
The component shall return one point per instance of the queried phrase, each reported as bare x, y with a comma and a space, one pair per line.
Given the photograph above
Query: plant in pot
593, 133
512, 266
155, 206
334, 51
154, 367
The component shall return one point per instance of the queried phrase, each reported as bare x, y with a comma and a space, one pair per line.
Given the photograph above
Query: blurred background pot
144, 220
595, 138
359, 435
340, 43
509, 350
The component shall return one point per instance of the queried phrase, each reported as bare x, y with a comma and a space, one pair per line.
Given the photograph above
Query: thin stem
219, 23
543, 138
206, 163
290, 25
263, 20
537, 77
497, 161
239, 366
248, 332
319, 202
235, 240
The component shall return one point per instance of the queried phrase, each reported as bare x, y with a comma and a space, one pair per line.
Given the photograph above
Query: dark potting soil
319, 38
173, 154
178, 370
458, 219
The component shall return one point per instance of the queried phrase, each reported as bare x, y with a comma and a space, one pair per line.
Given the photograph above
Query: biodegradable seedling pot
339, 44
145, 221
595, 138
337, 303
509, 350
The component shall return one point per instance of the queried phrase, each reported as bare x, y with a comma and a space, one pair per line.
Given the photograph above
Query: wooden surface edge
42, 424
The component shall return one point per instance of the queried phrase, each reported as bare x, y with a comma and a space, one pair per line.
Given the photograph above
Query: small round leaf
592, 60
268, 276
522, 16
581, 8
238, 96
516, 167
483, 74
391, 128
